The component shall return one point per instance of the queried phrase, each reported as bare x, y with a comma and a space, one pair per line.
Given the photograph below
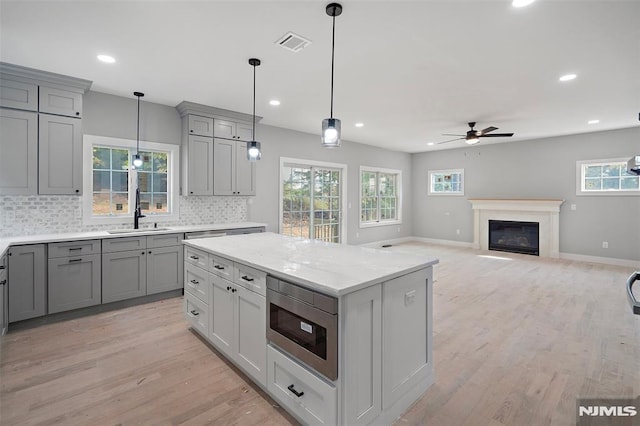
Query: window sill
608, 193
129, 219
381, 223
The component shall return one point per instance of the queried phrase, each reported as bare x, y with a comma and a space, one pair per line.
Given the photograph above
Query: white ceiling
409, 70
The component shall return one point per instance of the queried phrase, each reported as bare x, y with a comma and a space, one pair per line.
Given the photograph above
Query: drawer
164, 240
60, 102
74, 248
201, 126
111, 245
250, 278
196, 257
312, 399
196, 313
196, 282
221, 267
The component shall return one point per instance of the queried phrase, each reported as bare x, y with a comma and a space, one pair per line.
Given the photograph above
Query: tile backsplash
53, 214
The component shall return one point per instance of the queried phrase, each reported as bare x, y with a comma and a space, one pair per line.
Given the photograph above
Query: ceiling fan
473, 136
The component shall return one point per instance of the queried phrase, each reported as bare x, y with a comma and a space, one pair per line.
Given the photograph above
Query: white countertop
334, 269
5, 243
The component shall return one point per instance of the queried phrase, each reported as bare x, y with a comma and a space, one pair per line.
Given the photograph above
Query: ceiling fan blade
451, 134
487, 130
497, 135
450, 140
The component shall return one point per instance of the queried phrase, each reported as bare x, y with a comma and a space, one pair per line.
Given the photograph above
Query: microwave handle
635, 304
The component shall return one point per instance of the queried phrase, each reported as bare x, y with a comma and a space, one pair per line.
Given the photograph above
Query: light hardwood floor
516, 340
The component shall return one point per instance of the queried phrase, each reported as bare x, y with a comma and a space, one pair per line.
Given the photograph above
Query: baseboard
379, 244
453, 243
597, 259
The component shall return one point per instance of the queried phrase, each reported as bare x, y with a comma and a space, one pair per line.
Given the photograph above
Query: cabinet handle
295, 392
77, 191
77, 112
75, 260
218, 267
142, 252
1, 267
194, 257
233, 290
75, 248
246, 278
195, 313
228, 288
195, 282
149, 251
191, 131
3, 282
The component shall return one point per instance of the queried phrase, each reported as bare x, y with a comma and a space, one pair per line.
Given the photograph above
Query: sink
133, 231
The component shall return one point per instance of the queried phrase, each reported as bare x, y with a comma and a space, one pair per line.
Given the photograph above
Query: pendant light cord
138, 129
333, 42
253, 129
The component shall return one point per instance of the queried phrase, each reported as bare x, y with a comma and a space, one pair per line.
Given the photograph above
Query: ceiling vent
293, 42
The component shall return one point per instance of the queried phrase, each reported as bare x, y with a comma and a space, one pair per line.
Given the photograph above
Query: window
311, 199
380, 191
110, 180
605, 177
446, 182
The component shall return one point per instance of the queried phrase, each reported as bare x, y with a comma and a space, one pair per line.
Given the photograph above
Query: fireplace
514, 236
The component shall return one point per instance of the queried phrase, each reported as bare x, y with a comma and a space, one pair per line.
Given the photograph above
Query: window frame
378, 222
173, 179
580, 178
431, 174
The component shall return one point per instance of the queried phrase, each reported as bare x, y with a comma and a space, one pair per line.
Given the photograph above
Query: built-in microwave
303, 323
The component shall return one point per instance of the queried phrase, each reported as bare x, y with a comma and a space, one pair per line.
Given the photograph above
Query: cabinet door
224, 129
244, 132
251, 343
164, 269
74, 282
27, 281
221, 301
200, 173
14, 94
18, 152
124, 275
4, 308
200, 126
60, 102
223, 167
245, 172
60, 155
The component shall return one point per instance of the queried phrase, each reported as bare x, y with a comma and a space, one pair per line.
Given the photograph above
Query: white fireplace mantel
545, 212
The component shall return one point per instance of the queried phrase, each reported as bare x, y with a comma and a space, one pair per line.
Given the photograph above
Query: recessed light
359, 124
430, 143
106, 59
274, 102
567, 77
593, 121
521, 3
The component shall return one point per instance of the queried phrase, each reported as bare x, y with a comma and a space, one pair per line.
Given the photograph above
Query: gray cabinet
74, 275
60, 102
165, 264
27, 282
199, 166
18, 152
200, 126
60, 155
232, 130
233, 174
124, 275
4, 299
17, 95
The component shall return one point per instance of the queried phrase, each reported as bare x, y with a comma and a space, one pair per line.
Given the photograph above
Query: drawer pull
218, 267
75, 260
194, 257
233, 290
195, 313
228, 288
1, 267
295, 392
246, 278
195, 282
75, 248
3, 282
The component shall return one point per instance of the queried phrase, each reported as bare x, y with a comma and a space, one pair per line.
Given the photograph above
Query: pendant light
331, 126
253, 147
137, 159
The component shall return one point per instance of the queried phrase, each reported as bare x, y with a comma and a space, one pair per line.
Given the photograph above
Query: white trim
453, 243
397, 221
580, 191
379, 244
343, 189
598, 259
430, 174
173, 166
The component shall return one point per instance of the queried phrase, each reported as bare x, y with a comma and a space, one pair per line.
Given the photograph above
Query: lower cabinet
164, 269
74, 282
124, 275
303, 393
4, 299
27, 282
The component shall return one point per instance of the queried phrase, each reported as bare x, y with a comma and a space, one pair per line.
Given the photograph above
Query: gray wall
543, 168
115, 116
278, 142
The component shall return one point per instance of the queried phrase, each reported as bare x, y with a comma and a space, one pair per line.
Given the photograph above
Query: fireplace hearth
514, 236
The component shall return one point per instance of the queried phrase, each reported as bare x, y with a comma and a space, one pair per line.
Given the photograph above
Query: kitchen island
383, 321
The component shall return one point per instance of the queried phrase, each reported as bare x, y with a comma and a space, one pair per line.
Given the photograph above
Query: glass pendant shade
137, 160
331, 132
253, 151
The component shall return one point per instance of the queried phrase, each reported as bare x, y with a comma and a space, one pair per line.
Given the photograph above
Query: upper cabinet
40, 150
214, 153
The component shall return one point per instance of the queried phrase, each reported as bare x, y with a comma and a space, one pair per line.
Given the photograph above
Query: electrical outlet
457, 232
357, 235
605, 244
573, 206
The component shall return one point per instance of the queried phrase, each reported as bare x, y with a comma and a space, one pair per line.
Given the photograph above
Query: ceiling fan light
331, 132
472, 141
253, 151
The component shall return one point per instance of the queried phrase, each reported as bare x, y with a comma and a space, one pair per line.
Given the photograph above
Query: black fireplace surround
514, 237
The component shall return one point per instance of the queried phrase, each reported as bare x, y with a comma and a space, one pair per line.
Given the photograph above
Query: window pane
593, 171
592, 184
119, 203
629, 182
160, 162
120, 159
159, 182
144, 181
159, 204
611, 170
610, 183
101, 158
120, 181
101, 181
101, 204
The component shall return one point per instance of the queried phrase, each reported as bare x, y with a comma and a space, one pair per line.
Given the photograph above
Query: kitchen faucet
137, 213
